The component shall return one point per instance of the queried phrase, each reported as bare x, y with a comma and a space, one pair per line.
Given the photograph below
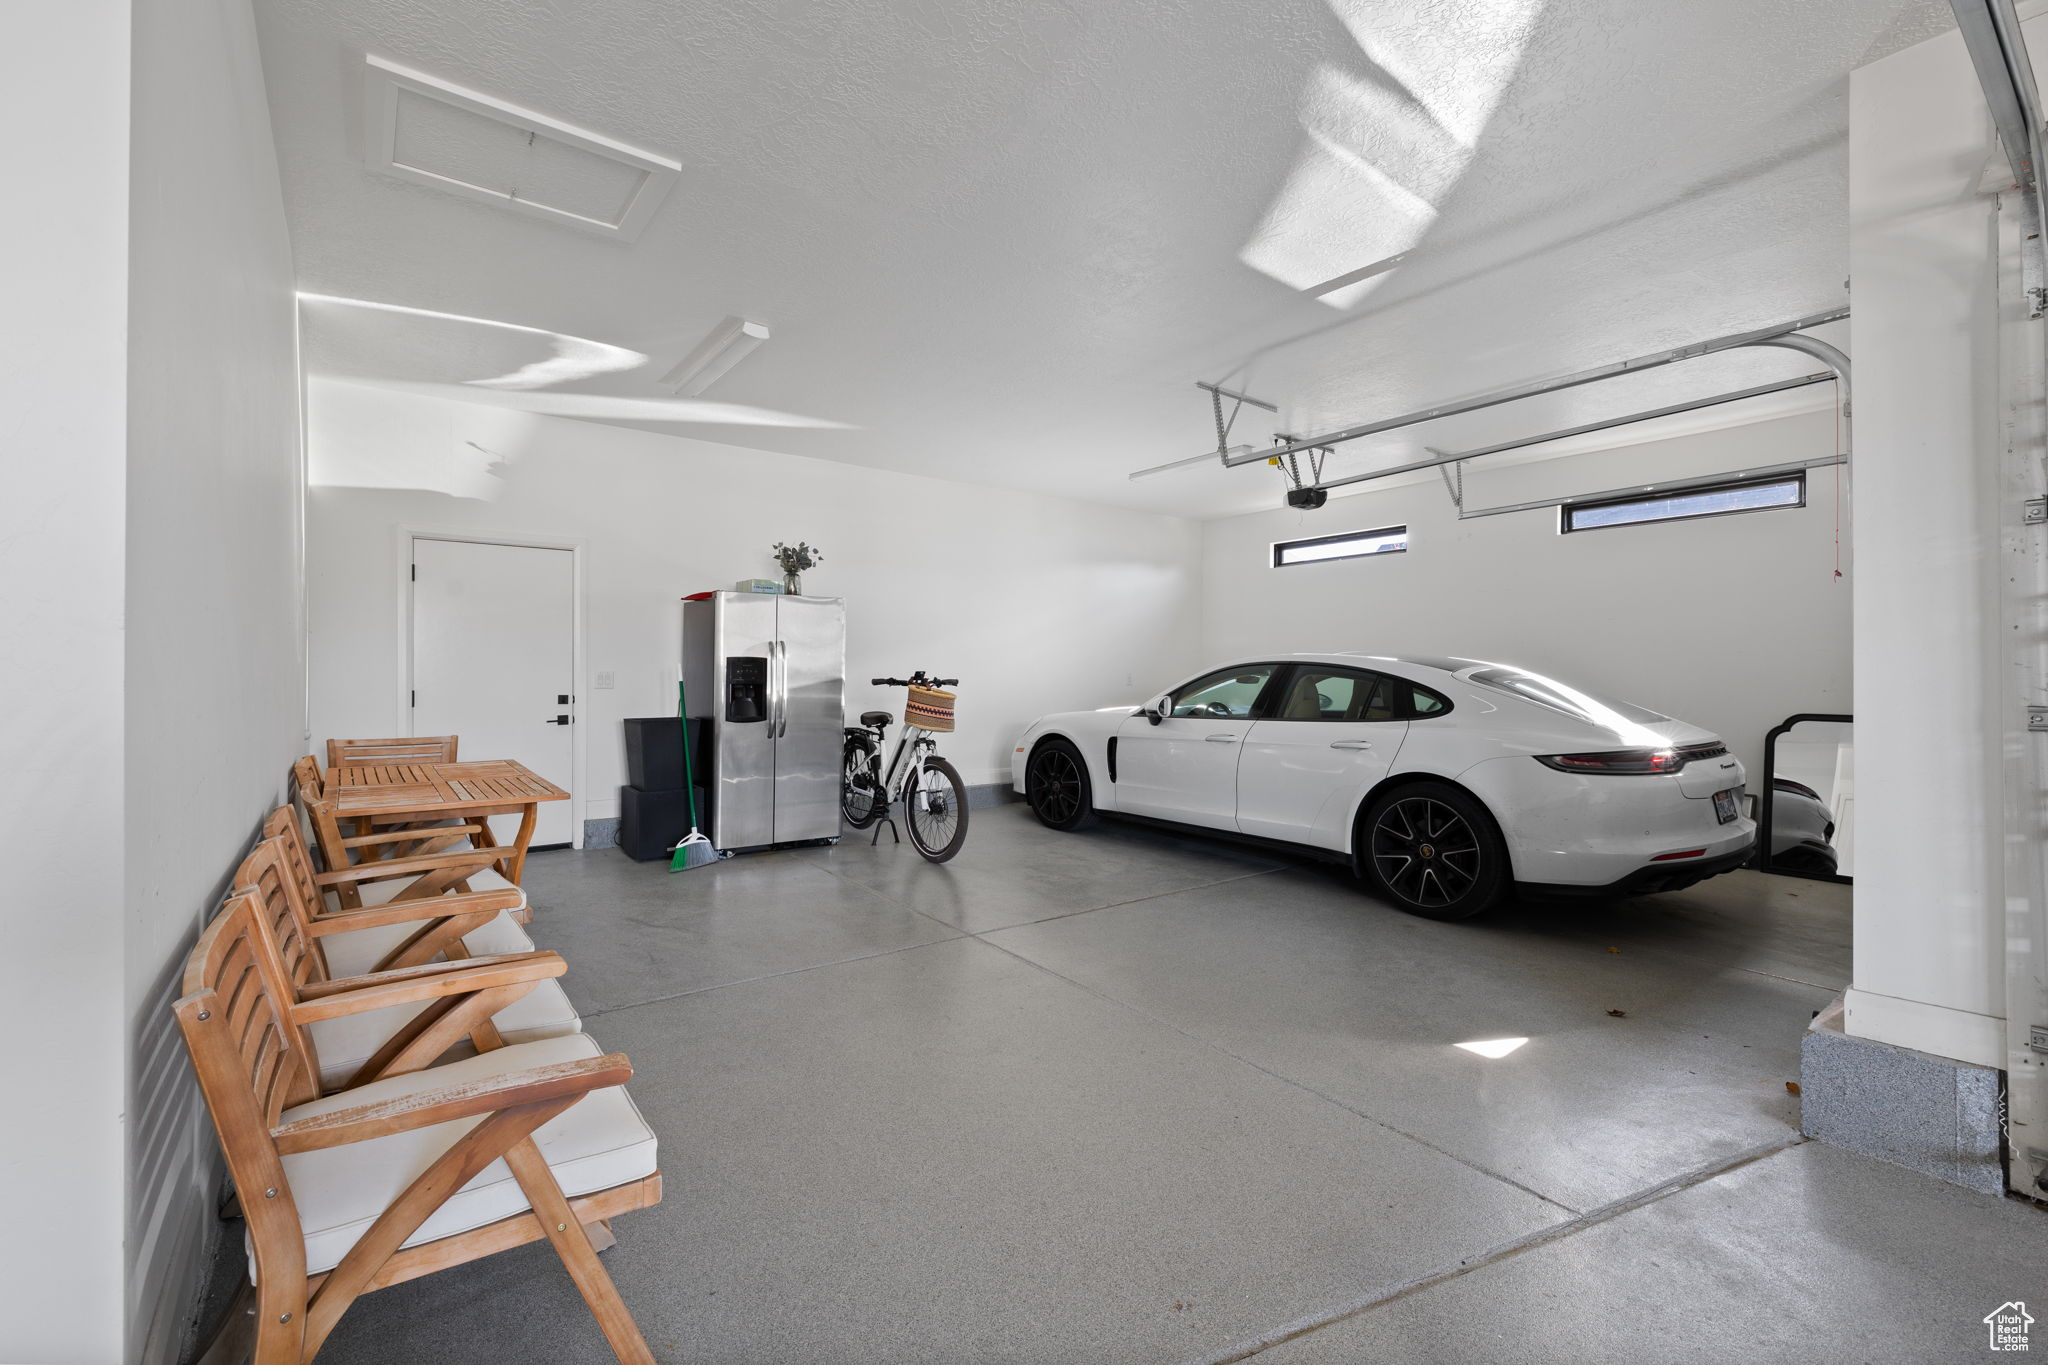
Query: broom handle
689, 780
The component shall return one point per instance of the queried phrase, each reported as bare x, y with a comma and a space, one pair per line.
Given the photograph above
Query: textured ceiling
998, 240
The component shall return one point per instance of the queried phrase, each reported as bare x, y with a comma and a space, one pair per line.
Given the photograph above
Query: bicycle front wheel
936, 810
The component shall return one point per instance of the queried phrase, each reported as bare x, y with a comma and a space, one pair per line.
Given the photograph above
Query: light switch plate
605, 680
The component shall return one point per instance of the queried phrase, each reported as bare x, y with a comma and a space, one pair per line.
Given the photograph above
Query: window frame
1565, 510
1407, 706
1372, 676
1261, 703
1280, 547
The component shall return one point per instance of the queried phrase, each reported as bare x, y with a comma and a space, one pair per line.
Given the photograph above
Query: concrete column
1929, 953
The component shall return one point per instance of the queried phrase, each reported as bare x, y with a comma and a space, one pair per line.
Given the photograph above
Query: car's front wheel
1056, 786
1434, 851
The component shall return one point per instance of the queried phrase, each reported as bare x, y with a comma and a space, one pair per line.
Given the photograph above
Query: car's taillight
1632, 762
1620, 761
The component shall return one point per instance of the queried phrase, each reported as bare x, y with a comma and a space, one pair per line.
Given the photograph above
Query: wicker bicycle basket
928, 708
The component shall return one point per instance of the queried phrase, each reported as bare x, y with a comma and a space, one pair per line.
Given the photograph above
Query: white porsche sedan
1446, 782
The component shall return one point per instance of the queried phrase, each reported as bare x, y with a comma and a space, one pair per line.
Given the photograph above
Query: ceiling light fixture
729, 343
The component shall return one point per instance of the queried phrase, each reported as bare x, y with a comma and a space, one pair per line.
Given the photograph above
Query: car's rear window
1559, 697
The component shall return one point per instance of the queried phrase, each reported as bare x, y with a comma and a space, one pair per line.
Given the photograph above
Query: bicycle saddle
878, 720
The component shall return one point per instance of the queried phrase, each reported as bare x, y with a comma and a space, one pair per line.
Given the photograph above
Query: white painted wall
1930, 897
1036, 604
62, 364
215, 676
1732, 622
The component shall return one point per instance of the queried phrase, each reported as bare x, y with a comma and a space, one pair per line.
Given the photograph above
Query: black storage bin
651, 824
654, 752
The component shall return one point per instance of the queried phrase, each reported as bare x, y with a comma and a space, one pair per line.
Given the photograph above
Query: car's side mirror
1158, 708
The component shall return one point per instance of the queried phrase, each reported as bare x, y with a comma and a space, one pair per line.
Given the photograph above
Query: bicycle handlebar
917, 679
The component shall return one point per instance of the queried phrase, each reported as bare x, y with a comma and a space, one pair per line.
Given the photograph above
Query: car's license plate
1728, 804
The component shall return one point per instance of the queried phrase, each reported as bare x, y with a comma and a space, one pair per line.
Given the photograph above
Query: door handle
781, 688
1220, 739
559, 720
1351, 744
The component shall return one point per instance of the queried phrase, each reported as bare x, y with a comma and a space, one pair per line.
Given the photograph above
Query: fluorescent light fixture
1493, 1048
729, 343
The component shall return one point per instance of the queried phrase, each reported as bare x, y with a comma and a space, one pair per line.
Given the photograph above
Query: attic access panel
432, 132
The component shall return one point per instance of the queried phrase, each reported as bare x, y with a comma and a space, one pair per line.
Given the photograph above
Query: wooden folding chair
419, 749
420, 885
309, 783
395, 944
379, 866
405, 1175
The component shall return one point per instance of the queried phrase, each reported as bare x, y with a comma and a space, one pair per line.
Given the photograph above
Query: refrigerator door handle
779, 651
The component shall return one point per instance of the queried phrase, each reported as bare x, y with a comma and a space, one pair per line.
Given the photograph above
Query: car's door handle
1351, 744
1220, 739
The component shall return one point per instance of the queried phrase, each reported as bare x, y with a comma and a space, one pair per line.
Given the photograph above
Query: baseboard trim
1940, 1030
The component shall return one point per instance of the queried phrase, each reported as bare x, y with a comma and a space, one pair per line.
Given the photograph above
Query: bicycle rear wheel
936, 810
860, 785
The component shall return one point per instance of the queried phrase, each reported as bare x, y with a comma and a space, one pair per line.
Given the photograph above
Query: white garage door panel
493, 648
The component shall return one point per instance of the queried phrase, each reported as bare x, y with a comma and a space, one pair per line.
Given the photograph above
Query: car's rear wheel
1057, 788
1434, 851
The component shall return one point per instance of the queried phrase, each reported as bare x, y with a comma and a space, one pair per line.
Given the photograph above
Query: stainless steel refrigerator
769, 671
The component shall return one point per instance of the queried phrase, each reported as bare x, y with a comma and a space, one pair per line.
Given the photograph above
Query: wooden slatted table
496, 786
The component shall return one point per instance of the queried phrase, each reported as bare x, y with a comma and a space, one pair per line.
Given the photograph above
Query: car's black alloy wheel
1434, 851
1056, 786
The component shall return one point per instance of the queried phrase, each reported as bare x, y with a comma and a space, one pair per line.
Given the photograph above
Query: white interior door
494, 659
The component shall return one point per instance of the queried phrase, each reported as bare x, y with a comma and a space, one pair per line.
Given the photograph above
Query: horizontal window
1756, 495
1352, 544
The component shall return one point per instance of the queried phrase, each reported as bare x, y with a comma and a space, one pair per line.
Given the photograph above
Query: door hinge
2034, 512
2037, 717
415, 573
2037, 1037
415, 699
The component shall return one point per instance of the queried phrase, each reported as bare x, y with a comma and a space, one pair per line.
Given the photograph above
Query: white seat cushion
384, 892
599, 1142
360, 950
347, 1042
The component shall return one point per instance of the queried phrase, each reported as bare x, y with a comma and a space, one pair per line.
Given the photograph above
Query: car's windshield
1562, 697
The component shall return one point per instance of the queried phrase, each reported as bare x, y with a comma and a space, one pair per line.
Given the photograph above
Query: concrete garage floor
1124, 1097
